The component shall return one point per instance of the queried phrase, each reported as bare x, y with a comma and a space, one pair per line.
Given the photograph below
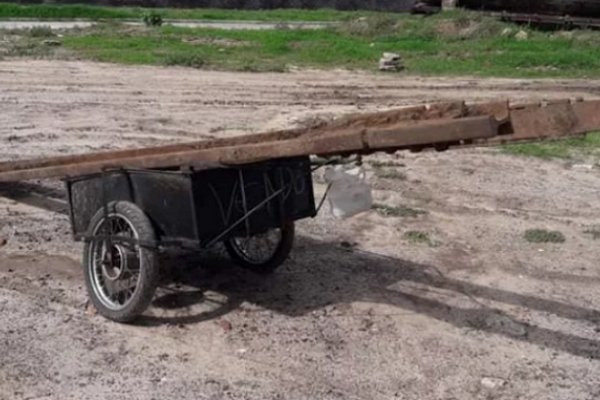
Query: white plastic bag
350, 194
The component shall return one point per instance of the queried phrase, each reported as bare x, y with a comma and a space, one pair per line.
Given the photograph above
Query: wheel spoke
259, 248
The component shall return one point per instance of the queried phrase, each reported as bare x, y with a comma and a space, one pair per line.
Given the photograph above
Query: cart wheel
265, 252
120, 274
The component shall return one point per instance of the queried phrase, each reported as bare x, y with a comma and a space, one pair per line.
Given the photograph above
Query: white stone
585, 167
492, 383
522, 35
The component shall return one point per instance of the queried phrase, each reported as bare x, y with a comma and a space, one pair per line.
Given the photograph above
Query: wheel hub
116, 262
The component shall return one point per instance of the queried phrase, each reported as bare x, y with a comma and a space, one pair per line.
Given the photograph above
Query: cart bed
191, 208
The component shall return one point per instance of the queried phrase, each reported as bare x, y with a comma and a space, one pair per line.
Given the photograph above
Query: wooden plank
552, 121
588, 115
203, 158
349, 141
497, 109
348, 125
455, 109
410, 127
129, 153
434, 132
549, 121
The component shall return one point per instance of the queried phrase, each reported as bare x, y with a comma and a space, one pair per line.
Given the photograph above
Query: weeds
390, 174
383, 164
370, 27
255, 65
586, 146
397, 211
41, 32
593, 232
68, 11
357, 42
185, 60
544, 236
414, 38
420, 237
28, 48
152, 18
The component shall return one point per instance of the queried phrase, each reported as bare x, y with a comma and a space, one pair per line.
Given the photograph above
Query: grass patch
185, 60
394, 174
585, 146
41, 31
593, 232
420, 237
456, 43
544, 236
71, 11
384, 164
397, 211
152, 18
32, 45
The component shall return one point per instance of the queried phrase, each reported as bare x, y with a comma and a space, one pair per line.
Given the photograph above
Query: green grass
577, 147
387, 173
458, 43
543, 236
384, 164
397, 211
420, 237
41, 31
67, 11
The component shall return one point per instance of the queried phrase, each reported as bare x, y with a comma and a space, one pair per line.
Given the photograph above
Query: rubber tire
149, 266
281, 254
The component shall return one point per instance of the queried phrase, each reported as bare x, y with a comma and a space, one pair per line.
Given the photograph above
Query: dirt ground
359, 311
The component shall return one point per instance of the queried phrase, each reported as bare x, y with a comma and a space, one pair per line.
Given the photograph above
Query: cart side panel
224, 196
166, 199
163, 196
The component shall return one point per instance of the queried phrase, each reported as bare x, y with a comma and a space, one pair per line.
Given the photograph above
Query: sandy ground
358, 312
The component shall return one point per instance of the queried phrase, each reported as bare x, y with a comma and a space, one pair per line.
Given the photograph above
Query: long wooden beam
352, 123
440, 126
342, 143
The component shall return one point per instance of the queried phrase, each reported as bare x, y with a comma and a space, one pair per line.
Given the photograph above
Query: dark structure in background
573, 8
380, 5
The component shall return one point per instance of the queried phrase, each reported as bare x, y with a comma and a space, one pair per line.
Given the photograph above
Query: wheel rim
258, 249
114, 265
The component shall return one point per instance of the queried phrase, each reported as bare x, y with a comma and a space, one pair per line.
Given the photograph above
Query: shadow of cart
321, 274
205, 286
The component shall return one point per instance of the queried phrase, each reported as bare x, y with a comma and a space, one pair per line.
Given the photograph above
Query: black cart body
196, 208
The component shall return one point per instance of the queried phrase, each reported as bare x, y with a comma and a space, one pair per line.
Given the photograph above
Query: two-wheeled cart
248, 191
125, 216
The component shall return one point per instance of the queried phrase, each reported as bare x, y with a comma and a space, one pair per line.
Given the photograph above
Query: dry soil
359, 311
